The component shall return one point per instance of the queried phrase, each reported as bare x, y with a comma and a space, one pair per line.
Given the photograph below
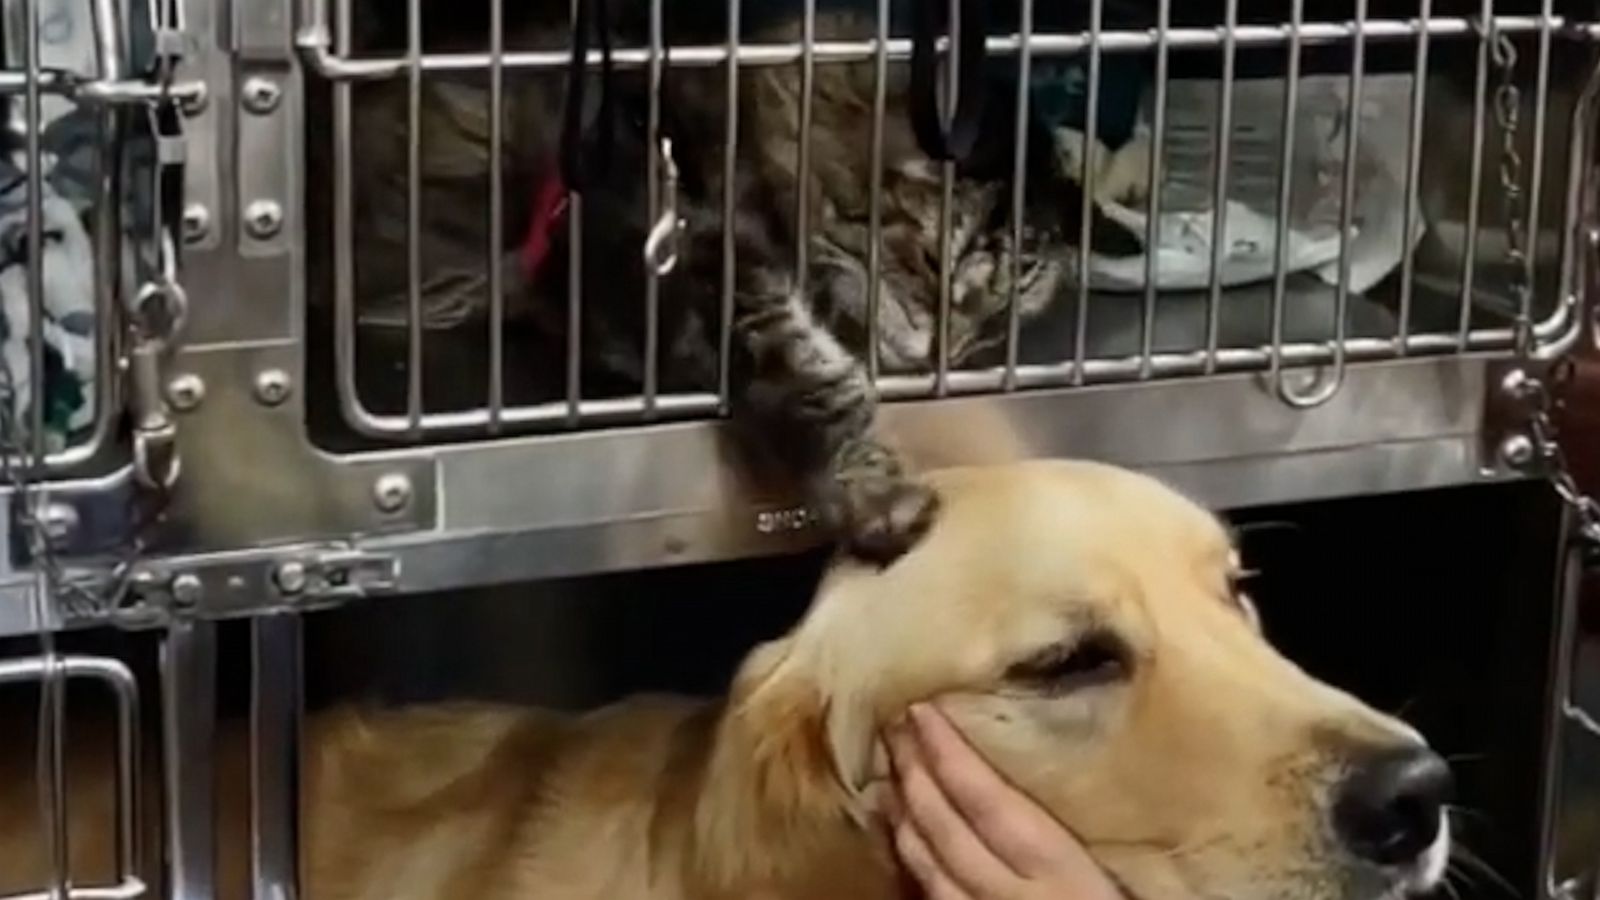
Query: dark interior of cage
1298, 248
1437, 606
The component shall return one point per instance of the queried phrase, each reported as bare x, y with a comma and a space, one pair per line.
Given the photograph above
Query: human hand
966, 834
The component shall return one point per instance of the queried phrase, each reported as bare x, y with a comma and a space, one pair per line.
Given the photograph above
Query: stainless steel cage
1549, 324
256, 433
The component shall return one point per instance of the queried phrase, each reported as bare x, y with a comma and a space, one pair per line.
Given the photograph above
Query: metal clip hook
661, 245
159, 313
155, 434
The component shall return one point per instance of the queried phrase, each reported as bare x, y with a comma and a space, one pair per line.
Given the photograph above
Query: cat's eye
1095, 659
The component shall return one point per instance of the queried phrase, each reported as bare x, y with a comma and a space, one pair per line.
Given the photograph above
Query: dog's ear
772, 780
786, 770
856, 754
812, 749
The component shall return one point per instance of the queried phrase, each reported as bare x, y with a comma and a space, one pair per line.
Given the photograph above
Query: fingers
936, 843
1025, 838
919, 858
967, 834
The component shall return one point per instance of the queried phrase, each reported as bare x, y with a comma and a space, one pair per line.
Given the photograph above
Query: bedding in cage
1359, 191
97, 230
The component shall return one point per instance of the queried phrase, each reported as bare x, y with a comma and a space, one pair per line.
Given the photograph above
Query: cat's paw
882, 518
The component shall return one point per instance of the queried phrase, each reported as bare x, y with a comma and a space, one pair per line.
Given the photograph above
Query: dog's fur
1200, 767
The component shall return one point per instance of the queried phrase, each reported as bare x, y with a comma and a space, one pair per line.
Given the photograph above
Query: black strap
953, 140
664, 110
590, 19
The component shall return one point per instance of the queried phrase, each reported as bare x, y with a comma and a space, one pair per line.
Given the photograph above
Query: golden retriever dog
1080, 624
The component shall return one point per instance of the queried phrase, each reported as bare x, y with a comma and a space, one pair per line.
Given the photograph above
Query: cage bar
1219, 183
414, 216
778, 53
1291, 103
276, 711
880, 100
1019, 195
1091, 130
1158, 146
1413, 185
497, 216
188, 718
730, 210
119, 681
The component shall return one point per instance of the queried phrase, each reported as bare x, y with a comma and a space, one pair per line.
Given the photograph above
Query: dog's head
1081, 625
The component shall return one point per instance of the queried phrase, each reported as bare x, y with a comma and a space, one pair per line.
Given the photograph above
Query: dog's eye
1238, 592
1096, 659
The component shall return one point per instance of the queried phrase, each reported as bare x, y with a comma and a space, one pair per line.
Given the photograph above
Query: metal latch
337, 575
246, 584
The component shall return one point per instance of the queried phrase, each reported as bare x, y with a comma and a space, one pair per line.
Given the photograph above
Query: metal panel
275, 719
188, 715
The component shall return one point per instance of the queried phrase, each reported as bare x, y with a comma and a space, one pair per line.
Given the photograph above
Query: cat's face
985, 262
988, 270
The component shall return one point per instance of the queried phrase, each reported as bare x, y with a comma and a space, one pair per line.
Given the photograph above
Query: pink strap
549, 207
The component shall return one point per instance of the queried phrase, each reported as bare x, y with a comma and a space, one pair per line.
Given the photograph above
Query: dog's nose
1389, 810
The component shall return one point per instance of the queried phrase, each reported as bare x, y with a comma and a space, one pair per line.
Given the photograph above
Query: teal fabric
1060, 91
68, 302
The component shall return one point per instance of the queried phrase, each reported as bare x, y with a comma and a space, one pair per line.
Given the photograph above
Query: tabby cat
798, 371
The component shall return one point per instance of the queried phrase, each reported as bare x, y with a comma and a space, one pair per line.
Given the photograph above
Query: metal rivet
185, 392
261, 95
187, 590
392, 492
290, 577
1519, 385
263, 218
196, 103
1517, 451
196, 222
59, 521
144, 581
272, 386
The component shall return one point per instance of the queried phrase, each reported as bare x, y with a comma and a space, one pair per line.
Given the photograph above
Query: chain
1538, 449
1508, 119
1542, 451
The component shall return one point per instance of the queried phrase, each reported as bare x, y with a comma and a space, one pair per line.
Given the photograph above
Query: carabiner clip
661, 245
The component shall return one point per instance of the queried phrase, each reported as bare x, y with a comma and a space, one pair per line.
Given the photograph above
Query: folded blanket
67, 257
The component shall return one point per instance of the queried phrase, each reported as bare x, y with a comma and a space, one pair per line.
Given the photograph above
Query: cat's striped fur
798, 369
